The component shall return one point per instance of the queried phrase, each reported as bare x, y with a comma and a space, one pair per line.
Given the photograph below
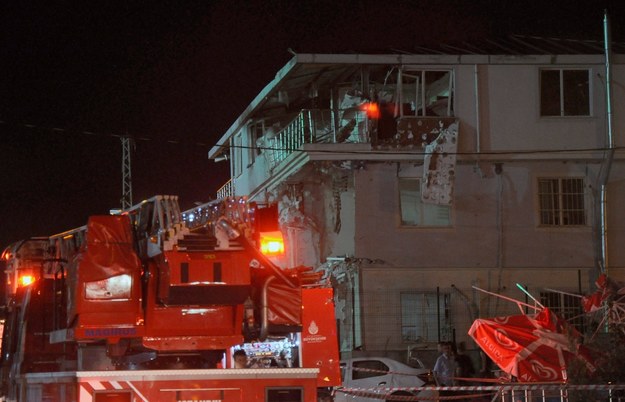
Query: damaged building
415, 180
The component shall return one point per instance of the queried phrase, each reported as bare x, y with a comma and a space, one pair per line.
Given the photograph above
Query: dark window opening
564, 93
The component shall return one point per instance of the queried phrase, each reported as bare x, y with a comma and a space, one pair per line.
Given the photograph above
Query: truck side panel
210, 385
319, 337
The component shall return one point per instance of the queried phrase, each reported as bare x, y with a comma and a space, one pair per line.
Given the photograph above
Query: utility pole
126, 173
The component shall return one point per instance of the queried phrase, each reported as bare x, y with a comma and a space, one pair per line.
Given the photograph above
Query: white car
377, 376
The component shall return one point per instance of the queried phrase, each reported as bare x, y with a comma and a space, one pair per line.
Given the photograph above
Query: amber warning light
26, 280
372, 109
271, 243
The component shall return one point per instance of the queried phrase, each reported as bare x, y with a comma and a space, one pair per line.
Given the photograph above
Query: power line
143, 138
327, 151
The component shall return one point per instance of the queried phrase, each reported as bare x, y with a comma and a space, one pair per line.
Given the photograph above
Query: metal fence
508, 392
396, 319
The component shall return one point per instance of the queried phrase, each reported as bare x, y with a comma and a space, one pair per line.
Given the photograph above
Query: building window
567, 306
561, 201
564, 92
237, 155
415, 212
255, 132
424, 317
426, 93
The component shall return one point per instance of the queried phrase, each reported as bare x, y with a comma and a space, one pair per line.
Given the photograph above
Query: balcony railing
225, 191
312, 126
315, 126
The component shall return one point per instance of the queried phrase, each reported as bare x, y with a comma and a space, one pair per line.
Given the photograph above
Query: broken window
353, 125
424, 317
565, 92
561, 201
237, 155
255, 132
414, 212
425, 93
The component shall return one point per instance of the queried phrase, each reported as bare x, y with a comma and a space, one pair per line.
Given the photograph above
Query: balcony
314, 126
225, 191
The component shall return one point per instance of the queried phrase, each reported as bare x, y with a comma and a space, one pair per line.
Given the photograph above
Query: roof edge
258, 101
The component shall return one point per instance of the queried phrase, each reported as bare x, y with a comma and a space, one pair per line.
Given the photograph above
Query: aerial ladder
154, 288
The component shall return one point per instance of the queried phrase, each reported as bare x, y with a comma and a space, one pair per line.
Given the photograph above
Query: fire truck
149, 304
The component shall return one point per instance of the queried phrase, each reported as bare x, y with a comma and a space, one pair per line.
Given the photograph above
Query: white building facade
419, 183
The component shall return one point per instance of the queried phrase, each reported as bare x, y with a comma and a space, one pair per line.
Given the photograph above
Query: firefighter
240, 359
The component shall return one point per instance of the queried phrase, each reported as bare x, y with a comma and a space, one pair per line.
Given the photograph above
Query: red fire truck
149, 304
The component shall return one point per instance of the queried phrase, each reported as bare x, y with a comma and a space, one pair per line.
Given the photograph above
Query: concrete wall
512, 105
489, 214
494, 242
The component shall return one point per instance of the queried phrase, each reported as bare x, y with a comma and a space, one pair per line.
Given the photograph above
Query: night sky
174, 75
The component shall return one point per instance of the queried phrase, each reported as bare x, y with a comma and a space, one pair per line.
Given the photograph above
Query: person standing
464, 365
486, 366
445, 366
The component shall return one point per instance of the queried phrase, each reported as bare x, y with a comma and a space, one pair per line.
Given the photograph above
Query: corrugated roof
519, 45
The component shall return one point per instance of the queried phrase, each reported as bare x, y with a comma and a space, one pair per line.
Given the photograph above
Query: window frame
556, 217
566, 305
237, 154
423, 88
561, 92
255, 130
443, 317
422, 210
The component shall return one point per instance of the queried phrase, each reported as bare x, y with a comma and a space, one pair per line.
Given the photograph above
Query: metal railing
509, 392
237, 210
225, 191
319, 126
157, 222
205, 214
62, 247
311, 126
